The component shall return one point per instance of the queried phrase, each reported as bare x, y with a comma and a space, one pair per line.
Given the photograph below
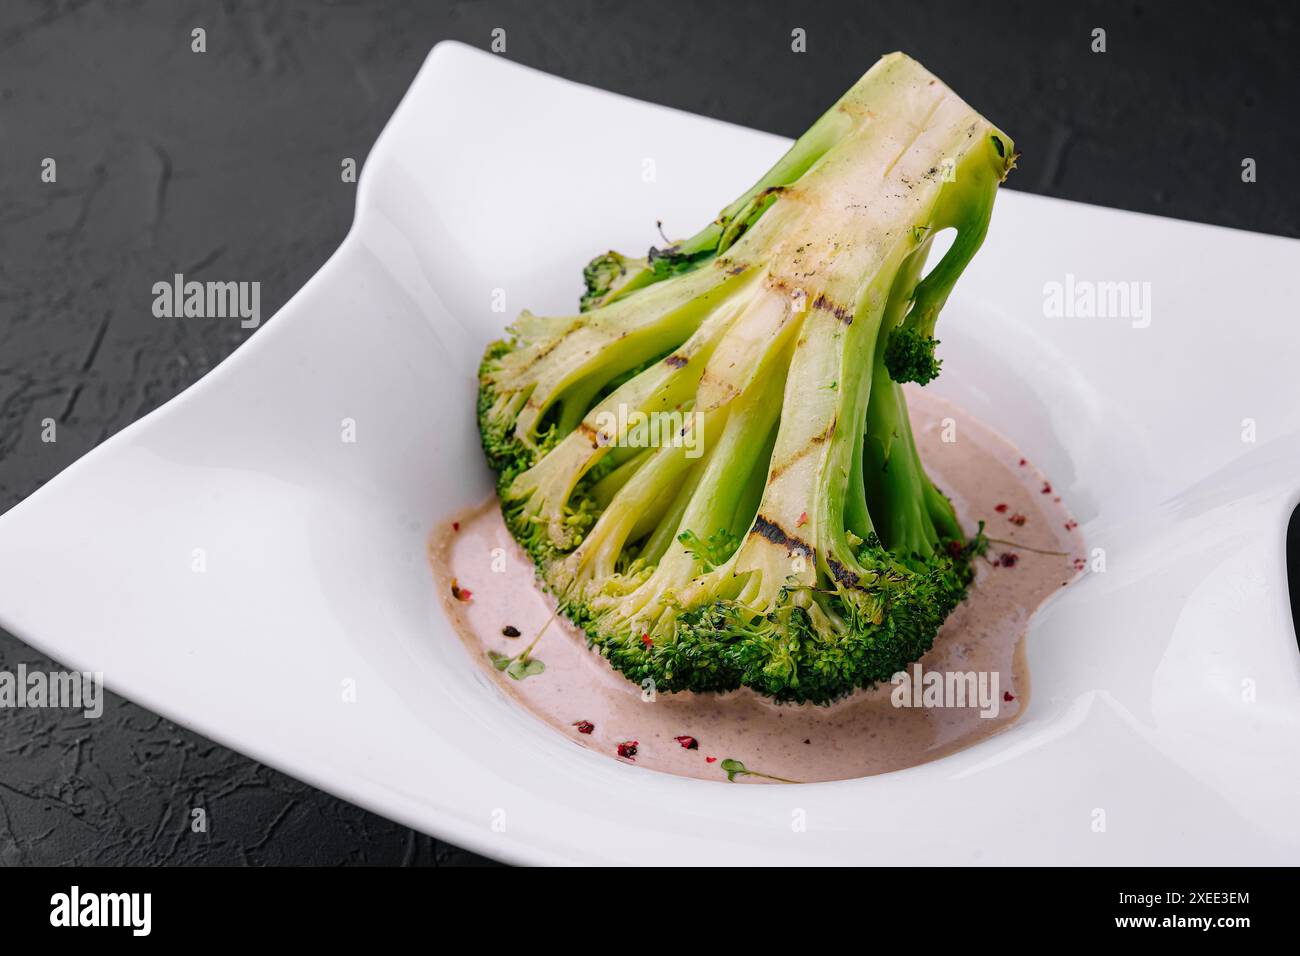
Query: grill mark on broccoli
592, 435
842, 574
762, 197
823, 303
730, 266
774, 533
550, 347
780, 469
777, 284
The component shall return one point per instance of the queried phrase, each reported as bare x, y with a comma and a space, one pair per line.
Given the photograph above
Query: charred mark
550, 347
797, 292
774, 533
824, 436
593, 435
842, 574
824, 304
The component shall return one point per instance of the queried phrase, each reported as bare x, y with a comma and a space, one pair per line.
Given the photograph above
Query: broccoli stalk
612, 275
909, 356
782, 535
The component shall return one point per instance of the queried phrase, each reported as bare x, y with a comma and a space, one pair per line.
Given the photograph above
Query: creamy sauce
863, 734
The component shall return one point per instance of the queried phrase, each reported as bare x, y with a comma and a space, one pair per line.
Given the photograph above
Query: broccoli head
712, 464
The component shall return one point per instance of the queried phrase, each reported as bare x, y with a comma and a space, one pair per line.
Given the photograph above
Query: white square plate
1166, 689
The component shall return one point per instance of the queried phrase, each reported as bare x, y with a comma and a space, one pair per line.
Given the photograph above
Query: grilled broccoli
711, 464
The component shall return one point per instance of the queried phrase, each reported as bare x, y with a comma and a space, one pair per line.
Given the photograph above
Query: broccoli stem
941, 513
718, 236
967, 210
894, 476
910, 356
718, 496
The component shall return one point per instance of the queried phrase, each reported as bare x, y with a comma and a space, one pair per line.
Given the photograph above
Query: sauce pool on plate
972, 683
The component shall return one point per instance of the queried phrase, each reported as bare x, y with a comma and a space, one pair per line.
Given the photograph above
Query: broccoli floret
605, 275
712, 464
909, 356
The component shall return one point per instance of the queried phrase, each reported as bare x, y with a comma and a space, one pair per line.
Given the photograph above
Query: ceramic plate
1166, 708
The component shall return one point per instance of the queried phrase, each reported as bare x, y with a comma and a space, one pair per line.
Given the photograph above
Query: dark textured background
225, 165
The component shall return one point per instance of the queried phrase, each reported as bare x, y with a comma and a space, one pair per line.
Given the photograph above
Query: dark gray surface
225, 165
